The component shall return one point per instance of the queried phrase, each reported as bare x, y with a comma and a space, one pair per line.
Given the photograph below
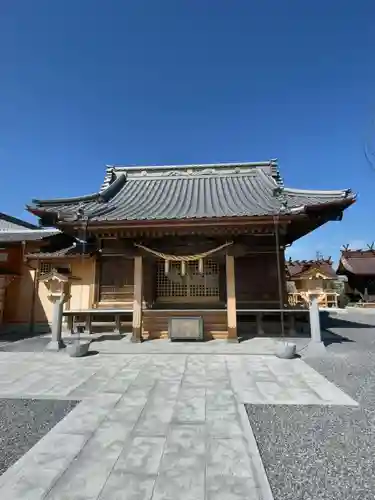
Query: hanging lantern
200, 266
183, 268
166, 266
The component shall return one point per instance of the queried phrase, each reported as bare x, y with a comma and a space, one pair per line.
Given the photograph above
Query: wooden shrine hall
183, 248
359, 268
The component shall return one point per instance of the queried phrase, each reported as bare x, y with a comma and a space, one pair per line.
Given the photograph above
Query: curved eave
345, 264
313, 208
102, 197
339, 193
192, 222
340, 204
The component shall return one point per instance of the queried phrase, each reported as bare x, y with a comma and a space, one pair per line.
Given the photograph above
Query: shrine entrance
199, 282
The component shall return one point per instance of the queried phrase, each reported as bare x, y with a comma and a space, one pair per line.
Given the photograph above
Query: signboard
190, 328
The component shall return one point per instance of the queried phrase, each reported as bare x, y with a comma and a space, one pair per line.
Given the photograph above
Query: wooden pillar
138, 297
231, 299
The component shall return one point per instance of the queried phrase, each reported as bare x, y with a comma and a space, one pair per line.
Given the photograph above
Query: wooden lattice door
116, 279
192, 287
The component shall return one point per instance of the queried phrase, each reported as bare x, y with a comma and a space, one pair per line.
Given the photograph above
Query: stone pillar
57, 285
231, 299
259, 321
138, 296
316, 347
292, 325
56, 343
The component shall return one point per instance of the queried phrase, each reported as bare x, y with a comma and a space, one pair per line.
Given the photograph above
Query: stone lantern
58, 287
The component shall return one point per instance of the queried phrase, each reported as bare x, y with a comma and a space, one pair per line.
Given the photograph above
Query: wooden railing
326, 299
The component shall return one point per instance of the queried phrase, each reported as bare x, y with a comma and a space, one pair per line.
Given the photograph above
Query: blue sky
85, 83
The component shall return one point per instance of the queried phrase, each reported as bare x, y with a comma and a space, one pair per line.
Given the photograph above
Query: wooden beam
138, 296
231, 299
92, 284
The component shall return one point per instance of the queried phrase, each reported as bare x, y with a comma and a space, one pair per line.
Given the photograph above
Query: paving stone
127, 486
158, 412
228, 457
142, 455
191, 405
222, 426
33, 485
181, 485
82, 421
153, 426
125, 414
185, 449
221, 487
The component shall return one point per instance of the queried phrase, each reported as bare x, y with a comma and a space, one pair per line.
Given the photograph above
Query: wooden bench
74, 321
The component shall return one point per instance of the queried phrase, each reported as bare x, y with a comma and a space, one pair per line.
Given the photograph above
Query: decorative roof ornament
279, 193
276, 172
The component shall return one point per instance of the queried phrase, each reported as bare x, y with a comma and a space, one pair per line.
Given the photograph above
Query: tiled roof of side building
9, 223
26, 235
14, 230
190, 192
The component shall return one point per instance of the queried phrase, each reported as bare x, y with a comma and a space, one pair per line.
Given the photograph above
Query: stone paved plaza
152, 426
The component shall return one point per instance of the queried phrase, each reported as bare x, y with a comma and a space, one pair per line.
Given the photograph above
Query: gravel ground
315, 452
23, 422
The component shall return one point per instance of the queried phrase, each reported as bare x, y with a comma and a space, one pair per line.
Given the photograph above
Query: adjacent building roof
189, 192
358, 262
299, 268
27, 235
9, 223
13, 230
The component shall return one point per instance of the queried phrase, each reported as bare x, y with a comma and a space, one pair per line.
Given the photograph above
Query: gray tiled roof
192, 192
7, 223
15, 236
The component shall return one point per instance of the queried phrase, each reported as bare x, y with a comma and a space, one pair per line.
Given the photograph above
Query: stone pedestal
57, 285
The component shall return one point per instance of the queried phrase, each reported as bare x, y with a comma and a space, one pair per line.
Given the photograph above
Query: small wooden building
17, 292
359, 268
186, 241
308, 276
